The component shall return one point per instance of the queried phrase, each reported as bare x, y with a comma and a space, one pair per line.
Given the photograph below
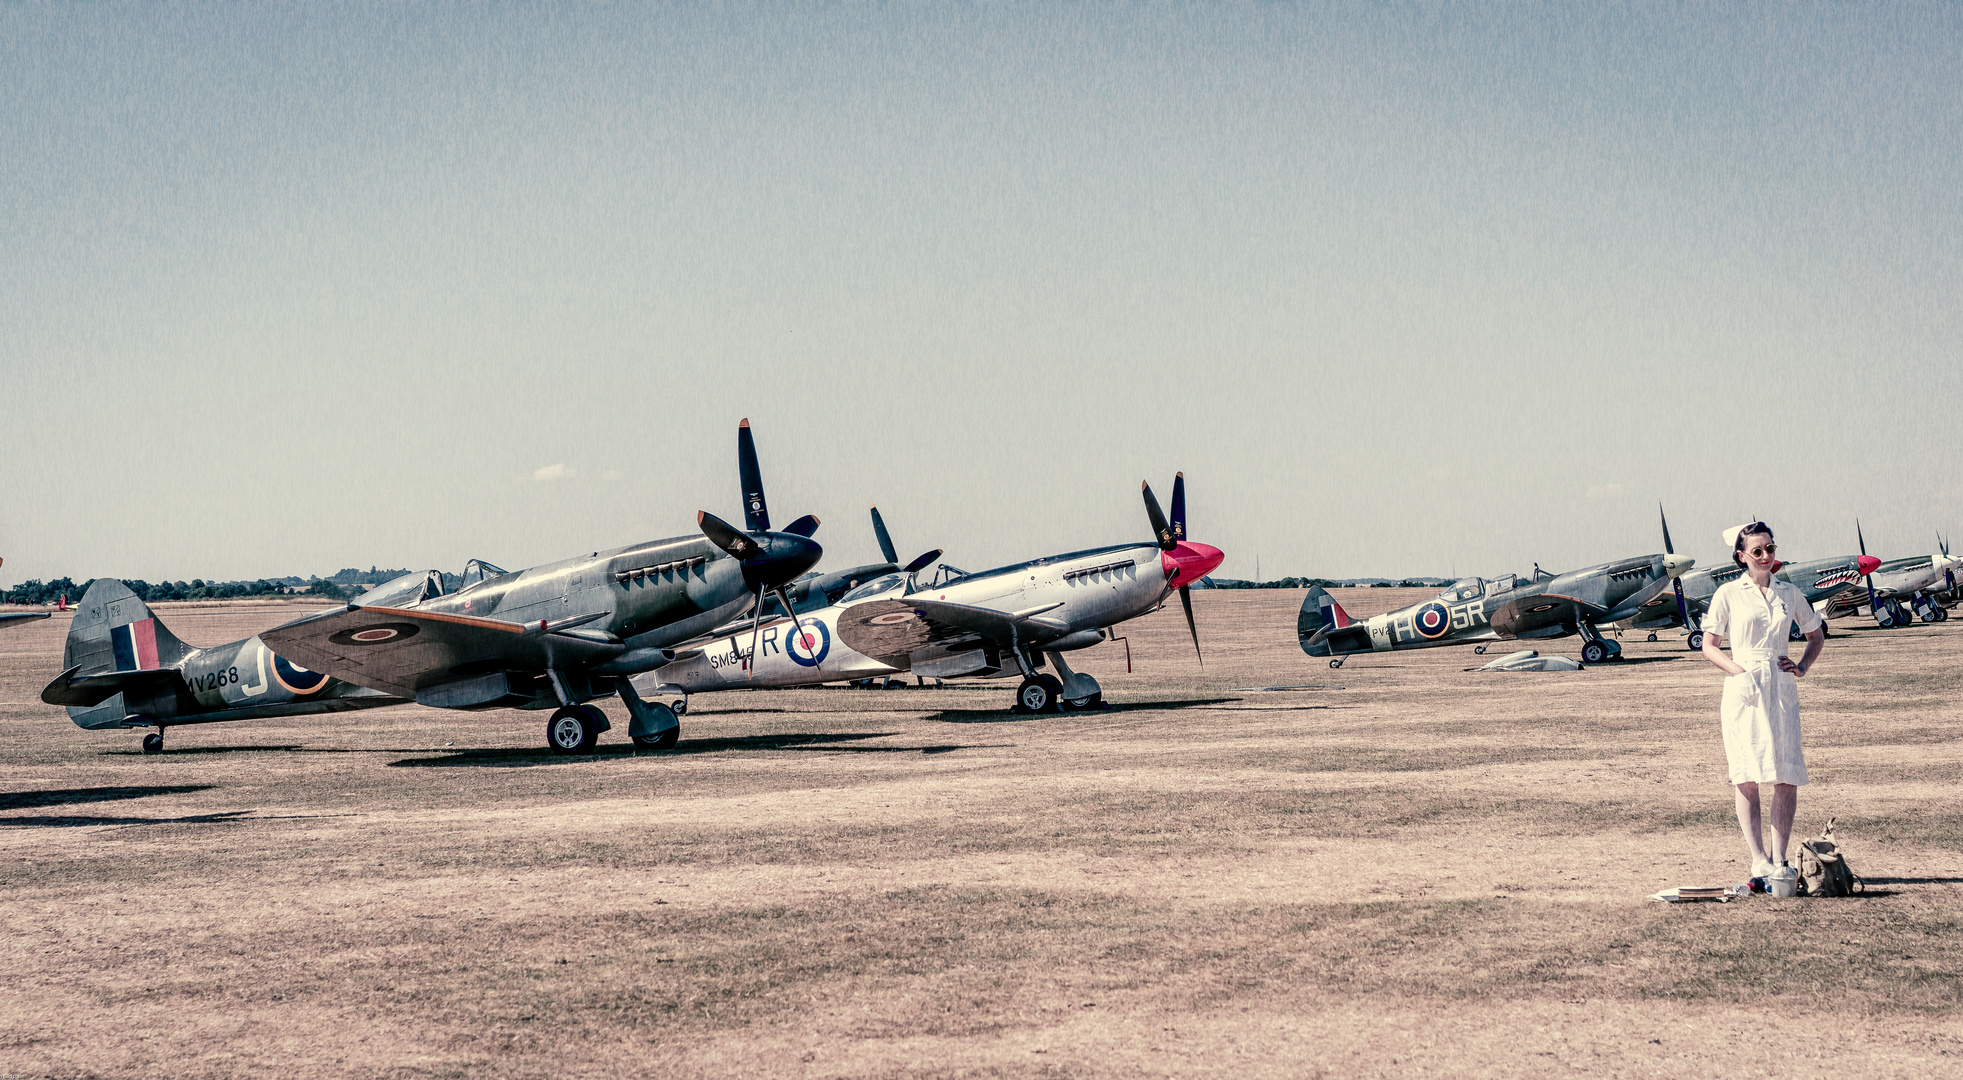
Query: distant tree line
47, 592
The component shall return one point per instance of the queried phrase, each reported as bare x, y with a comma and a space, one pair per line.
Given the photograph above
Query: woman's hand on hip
1786, 663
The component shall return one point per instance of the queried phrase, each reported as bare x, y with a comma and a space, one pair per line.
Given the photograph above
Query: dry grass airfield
1427, 872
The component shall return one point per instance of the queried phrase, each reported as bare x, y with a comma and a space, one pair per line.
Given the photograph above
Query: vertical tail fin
1320, 612
113, 630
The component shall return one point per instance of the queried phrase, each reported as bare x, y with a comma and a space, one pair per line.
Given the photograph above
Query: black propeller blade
1179, 506
885, 542
920, 562
1160, 528
1683, 609
727, 537
755, 513
1186, 601
1874, 605
803, 526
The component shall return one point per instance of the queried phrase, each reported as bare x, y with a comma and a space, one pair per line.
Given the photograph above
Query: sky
1402, 288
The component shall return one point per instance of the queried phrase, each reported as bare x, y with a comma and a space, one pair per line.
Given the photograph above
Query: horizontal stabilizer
87, 691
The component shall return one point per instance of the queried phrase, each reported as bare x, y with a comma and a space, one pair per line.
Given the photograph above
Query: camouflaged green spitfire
1476, 611
552, 637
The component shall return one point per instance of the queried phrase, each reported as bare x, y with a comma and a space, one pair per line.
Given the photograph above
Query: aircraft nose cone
1868, 564
783, 558
1675, 565
1188, 562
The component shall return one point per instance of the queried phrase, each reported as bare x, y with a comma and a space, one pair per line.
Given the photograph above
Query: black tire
1695, 641
680, 707
1336, 663
1594, 652
153, 743
664, 741
1793, 634
1095, 701
1652, 637
572, 730
1037, 695
1479, 650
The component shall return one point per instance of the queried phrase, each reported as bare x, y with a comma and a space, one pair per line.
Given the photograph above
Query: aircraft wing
17, 616
401, 651
889, 630
88, 691
1542, 615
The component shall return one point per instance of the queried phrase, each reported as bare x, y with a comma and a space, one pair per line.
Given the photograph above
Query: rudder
1320, 612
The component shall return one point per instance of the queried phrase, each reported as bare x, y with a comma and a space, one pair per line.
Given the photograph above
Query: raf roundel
891, 618
296, 679
376, 634
1432, 620
808, 646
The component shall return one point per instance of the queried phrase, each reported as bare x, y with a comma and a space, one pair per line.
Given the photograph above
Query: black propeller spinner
1169, 534
770, 560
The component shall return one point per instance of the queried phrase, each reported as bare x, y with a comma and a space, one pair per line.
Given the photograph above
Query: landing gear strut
1598, 649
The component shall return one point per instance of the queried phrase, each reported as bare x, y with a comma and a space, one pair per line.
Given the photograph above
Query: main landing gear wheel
1695, 641
153, 743
1595, 652
1039, 695
1793, 634
1652, 637
574, 729
663, 739
1085, 704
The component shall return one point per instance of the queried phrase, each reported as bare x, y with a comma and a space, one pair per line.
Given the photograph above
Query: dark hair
1756, 528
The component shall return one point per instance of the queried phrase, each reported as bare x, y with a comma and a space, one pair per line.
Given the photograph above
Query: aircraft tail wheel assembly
1336, 663
575, 729
153, 743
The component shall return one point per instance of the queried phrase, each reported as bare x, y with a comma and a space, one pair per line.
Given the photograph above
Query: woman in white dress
1760, 716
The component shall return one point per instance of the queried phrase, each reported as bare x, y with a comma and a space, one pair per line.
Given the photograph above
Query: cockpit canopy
1473, 588
883, 583
477, 571
405, 591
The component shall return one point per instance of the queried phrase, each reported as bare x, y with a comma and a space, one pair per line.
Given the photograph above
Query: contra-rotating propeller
1683, 609
1185, 562
770, 560
1874, 605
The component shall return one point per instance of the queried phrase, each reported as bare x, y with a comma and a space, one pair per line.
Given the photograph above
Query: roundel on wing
376, 633
808, 645
1432, 620
295, 678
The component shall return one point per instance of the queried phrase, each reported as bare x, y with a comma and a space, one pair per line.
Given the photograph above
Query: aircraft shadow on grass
999, 716
520, 758
29, 800
225, 817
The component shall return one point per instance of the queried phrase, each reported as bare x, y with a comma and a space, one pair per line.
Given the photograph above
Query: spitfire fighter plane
1476, 611
556, 637
992, 624
1901, 590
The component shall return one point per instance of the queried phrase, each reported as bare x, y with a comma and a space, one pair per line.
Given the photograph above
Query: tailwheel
1479, 650
1336, 663
1040, 694
153, 743
1652, 637
574, 729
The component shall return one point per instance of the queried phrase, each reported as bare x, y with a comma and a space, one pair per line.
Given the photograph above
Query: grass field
1418, 870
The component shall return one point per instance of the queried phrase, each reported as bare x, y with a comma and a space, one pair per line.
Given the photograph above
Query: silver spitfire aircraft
1476, 611
552, 637
993, 624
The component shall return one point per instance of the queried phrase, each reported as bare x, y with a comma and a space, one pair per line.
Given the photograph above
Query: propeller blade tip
745, 422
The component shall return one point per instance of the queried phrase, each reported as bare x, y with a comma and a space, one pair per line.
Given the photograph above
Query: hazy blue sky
1403, 289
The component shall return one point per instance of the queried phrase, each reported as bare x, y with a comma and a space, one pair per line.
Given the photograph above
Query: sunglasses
1765, 550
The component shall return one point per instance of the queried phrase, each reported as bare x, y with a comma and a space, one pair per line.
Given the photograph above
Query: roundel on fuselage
807, 646
295, 678
1432, 620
